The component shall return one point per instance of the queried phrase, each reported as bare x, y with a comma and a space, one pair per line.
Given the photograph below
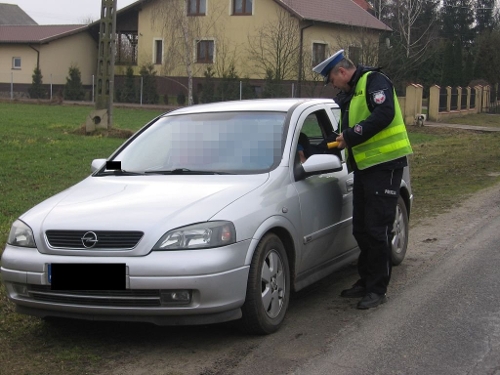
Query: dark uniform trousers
375, 197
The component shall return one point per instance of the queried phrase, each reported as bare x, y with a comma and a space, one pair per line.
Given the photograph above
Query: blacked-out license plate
88, 276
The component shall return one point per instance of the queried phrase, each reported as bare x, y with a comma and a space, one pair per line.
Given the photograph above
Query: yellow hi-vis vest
389, 144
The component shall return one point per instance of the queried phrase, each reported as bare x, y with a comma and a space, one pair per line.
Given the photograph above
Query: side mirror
317, 164
322, 163
97, 164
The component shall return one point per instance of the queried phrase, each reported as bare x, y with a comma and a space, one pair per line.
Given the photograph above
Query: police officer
376, 142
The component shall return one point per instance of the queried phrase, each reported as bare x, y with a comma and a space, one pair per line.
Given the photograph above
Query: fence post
448, 98
486, 99
468, 98
142, 83
11, 85
50, 86
241, 90
293, 90
93, 88
479, 100
433, 106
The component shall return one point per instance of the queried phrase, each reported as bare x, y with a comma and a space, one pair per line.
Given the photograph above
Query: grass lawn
480, 119
43, 152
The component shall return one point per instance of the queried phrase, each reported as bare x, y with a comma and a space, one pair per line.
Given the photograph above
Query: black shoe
371, 300
356, 291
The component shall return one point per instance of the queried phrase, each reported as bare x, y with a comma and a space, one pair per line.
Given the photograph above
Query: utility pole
102, 116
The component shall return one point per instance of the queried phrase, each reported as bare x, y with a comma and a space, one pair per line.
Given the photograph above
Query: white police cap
325, 66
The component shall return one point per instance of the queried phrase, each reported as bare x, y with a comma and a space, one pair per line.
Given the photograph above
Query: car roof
271, 105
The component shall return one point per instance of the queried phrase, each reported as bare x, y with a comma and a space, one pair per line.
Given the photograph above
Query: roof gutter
301, 57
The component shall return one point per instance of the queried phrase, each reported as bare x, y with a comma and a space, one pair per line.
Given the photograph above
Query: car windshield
229, 142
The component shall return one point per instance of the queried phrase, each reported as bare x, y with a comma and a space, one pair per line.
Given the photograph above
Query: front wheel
400, 233
268, 287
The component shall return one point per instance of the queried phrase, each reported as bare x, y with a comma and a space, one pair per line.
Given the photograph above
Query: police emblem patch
358, 129
379, 97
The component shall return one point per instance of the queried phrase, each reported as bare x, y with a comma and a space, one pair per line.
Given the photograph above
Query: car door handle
349, 184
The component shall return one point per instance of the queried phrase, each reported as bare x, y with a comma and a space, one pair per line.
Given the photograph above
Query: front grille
118, 298
73, 239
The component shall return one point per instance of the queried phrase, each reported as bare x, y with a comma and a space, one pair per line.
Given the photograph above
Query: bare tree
379, 8
407, 15
366, 43
275, 47
182, 33
87, 20
414, 25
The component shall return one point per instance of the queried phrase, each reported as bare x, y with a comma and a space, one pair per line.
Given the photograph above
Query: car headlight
21, 235
198, 236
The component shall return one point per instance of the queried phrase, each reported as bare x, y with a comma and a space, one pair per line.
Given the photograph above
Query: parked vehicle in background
205, 215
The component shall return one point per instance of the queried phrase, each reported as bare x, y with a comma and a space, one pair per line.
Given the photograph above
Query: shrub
36, 90
149, 91
181, 98
73, 90
129, 92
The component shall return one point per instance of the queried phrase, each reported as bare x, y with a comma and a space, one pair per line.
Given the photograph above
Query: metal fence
463, 100
163, 90
495, 99
454, 99
443, 99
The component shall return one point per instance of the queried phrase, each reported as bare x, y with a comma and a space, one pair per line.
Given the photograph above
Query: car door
323, 202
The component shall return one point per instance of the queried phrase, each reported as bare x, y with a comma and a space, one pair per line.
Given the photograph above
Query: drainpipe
37, 56
301, 58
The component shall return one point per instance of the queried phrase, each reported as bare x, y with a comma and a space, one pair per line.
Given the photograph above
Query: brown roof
37, 34
11, 14
363, 4
342, 12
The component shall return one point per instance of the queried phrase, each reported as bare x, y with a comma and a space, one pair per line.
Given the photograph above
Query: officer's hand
341, 141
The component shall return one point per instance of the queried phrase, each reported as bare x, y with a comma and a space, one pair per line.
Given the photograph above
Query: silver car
205, 215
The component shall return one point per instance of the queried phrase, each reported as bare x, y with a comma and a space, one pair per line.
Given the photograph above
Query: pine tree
229, 88
36, 90
458, 18
149, 91
208, 92
487, 65
73, 90
484, 11
129, 92
273, 87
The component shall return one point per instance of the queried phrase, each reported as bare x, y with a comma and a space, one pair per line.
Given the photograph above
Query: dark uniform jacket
381, 115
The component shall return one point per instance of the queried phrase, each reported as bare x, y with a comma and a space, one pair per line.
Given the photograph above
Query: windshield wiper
183, 171
119, 172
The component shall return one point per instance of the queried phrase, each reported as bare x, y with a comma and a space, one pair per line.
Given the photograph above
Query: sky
53, 12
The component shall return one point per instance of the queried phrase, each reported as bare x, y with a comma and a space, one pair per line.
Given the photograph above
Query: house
25, 45
52, 48
283, 38
185, 40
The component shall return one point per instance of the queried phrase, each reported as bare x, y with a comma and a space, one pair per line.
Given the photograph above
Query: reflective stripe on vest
389, 144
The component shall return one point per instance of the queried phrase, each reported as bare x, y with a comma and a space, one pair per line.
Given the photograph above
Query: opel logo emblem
89, 240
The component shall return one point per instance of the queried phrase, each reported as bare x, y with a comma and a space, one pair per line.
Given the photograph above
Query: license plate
67, 276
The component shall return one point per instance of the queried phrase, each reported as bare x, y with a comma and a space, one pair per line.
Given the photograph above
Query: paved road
447, 322
442, 317
460, 126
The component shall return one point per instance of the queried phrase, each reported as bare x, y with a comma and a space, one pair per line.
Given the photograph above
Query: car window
311, 127
336, 116
230, 142
316, 132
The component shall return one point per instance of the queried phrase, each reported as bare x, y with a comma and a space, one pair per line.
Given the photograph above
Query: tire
400, 233
268, 288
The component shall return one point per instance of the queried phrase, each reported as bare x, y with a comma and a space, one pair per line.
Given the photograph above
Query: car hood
140, 203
